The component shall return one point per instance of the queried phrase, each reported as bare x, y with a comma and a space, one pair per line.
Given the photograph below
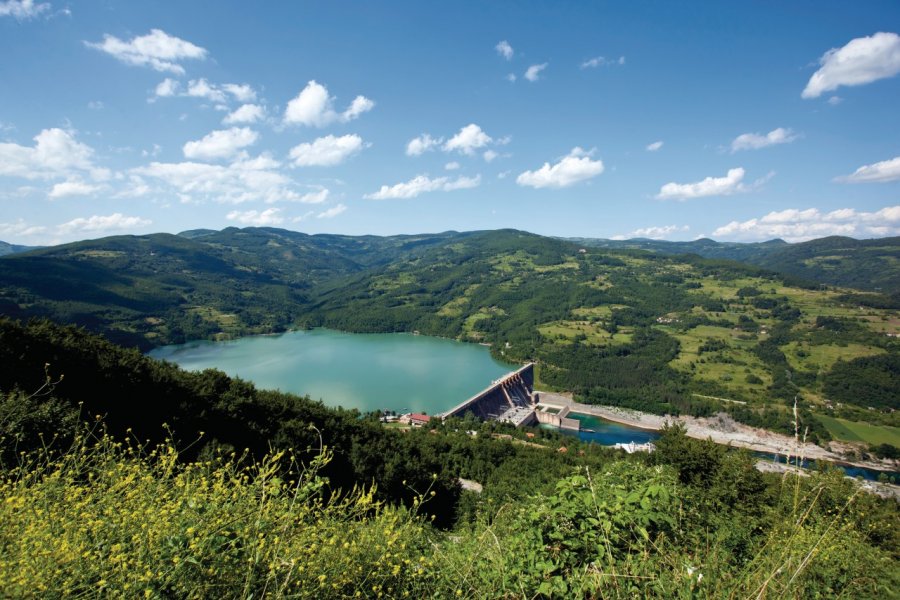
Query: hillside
325, 503
657, 332
6, 248
872, 265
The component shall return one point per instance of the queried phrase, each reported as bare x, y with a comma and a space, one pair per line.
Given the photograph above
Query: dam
512, 399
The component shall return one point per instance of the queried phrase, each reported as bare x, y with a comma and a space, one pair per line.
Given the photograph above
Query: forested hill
6, 248
657, 332
863, 264
161, 288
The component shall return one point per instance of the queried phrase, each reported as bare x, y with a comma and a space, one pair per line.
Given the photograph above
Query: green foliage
867, 381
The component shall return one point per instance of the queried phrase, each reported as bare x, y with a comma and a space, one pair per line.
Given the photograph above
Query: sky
738, 121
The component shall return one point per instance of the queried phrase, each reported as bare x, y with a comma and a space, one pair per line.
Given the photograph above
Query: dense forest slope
872, 265
6, 248
327, 503
647, 330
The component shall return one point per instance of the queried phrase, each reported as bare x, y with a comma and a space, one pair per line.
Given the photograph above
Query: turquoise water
394, 371
607, 433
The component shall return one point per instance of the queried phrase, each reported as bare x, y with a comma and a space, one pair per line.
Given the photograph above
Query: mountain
7, 249
666, 333
872, 265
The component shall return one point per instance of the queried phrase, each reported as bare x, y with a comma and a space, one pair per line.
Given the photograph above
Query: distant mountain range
872, 265
14, 248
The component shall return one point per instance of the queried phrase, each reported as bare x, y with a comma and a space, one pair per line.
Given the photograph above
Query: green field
861, 432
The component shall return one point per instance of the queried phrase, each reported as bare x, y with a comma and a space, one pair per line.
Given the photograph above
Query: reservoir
373, 371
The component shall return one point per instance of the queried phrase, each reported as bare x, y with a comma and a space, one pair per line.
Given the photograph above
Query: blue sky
675, 120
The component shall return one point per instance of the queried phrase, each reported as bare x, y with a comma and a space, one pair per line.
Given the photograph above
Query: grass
596, 335
822, 357
850, 431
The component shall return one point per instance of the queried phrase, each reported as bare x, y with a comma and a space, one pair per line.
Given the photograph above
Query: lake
393, 371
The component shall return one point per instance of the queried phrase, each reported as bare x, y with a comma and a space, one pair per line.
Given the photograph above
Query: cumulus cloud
533, 73
421, 184
511, 77
653, 233
422, 144
201, 88
711, 186
326, 151
863, 60
600, 61
880, 172
246, 113
241, 92
755, 141
794, 225
73, 188
244, 180
167, 88
574, 167
20, 228
56, 153
22, 9
157, 50
102, 223
270, 216
470, 138
313, 107
505, 50
654, 146
452, 166
332, 212
490, 155
222, 143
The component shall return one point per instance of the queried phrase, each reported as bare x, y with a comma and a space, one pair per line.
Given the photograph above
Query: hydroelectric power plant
512, 399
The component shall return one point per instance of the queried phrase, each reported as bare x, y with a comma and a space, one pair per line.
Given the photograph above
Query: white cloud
599, 61
422, 144
241, 93
469, 139
270, 216
572, 168
755, 141
167, 87
55, 153
711, 186
326, 151
654, 146
246, 113
835, 100
73, 188
421, 184
332, 212
360, 105
452, 166
22, 9
222, 143
98, 223
505, 50
533, 73
157, 50
20, 228
653, 233
313, 107
880, 172
490, 155
96, 105
795, 225
863, 60
511, 77
245, 180
200, 88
